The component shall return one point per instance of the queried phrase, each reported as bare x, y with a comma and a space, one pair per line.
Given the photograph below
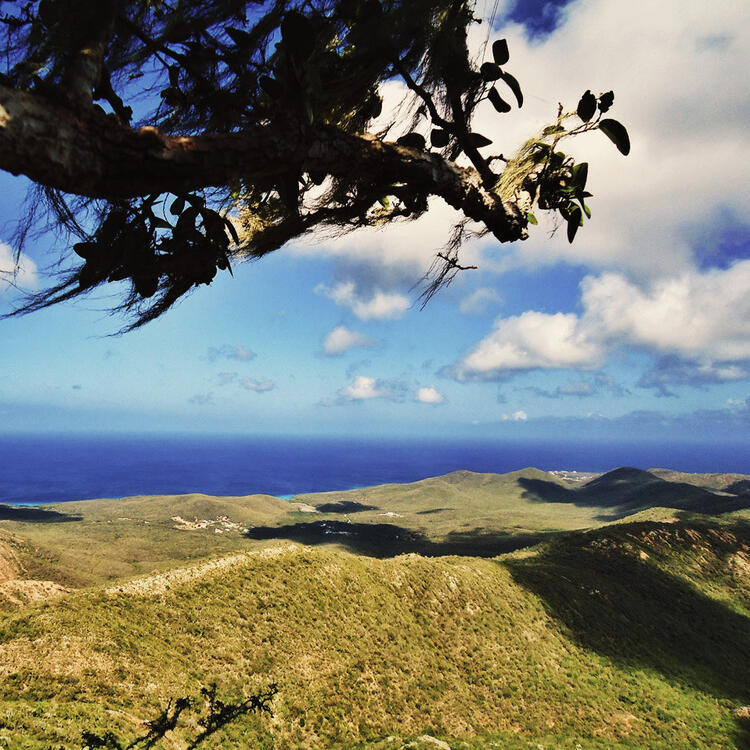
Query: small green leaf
478, 140
579, 174
497, 101
553, 129
616, 133
383, 201
500, 51
531, 218
575, 220
490, 72
586, 209
514, 86
439, 138
586, 106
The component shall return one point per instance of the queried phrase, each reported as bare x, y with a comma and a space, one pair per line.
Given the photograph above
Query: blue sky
639, 330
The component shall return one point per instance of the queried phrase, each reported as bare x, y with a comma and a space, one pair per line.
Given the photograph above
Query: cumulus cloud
693, 314
229, 351
698, 317
530, 341
379, 306
259, 386
341, 339
22, 275
478, 301
429, 395
516, 416
364, 388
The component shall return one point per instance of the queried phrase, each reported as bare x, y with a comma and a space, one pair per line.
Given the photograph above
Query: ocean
59, 468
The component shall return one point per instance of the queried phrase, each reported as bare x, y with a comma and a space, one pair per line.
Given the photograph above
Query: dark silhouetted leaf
616, 133
606, 101
120, 273
514, 86
177, 207
373, 108
490, 72
478, 140
500, 52
298, 35
271, 86
85, 249
412, 140
232, 230
586, 106
497, 101
439, 138
317, 177
146, 284
159, 223
239, 37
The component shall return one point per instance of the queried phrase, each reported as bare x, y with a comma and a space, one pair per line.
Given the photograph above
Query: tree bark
92, 154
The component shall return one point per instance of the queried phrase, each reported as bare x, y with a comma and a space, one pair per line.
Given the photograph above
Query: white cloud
703, 317
341, 339
529, 341
23, 275
683, 104
363, 388
429, 395
380, 306
259, 386
516, 416
478, 301
693, 314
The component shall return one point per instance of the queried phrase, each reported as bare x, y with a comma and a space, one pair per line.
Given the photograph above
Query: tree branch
94, 155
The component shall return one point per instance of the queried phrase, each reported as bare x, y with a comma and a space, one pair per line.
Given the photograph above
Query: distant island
469, 610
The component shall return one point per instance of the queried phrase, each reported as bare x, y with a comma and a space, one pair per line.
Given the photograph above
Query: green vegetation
631, 634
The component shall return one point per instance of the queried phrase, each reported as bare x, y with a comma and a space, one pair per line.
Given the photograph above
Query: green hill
633, 633
628, 636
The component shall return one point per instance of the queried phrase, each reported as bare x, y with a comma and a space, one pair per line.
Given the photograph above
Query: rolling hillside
634, 633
